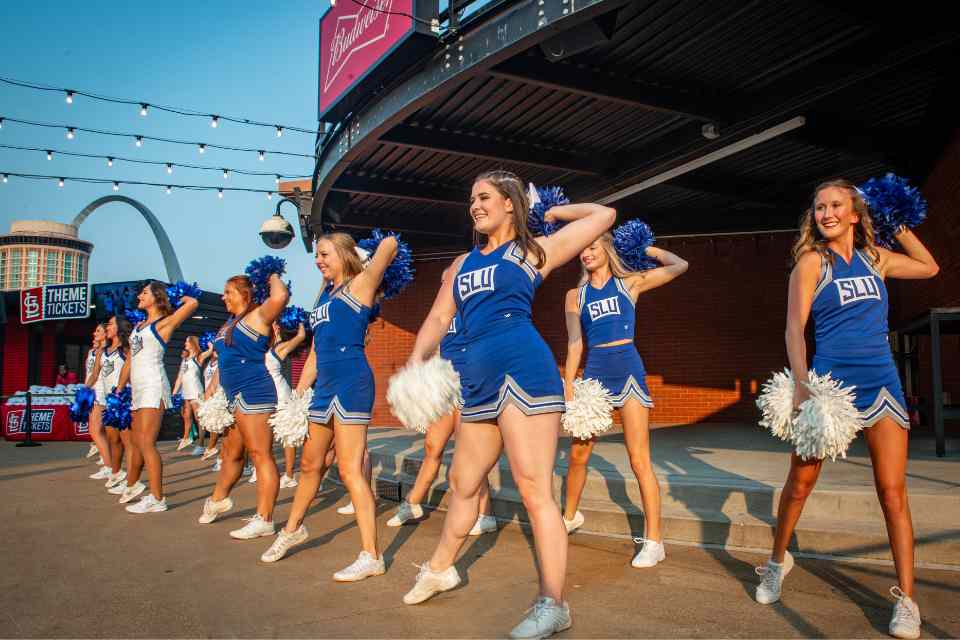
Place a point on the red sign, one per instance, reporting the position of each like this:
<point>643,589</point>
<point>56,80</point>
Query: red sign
<point>50,422</point>
<point>31,305</point>
<point>354,37</point>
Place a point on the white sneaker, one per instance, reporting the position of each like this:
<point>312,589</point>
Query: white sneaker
<point>768,591</point>
<point>117,489</point>
<point>115,478</point>
<point>430,583</point>
<point>184,443</point>
<point>348,510</point>
<point>197,451</point>
<point>286,482</point>
<point>545,618</point>
<point>649,555</point>
<point>284,542</point>
<point>576,523</point>
<point>217,465</point>
<point>92,451</point>
<point>212,509</point>
<point>256,527</point>
<point>100,461</point>
<point>253,477</point>
<point>363,567</point>
<point>148,505</point>
<point>131,492</point>
<point>208,453</point>
<point>103,472</point>
<point>905,622</point>
<point>405,513</point>
<point>484,524</point>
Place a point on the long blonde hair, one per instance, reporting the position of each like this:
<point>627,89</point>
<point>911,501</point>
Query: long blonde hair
<point>810,238</point>
<point>346,248</point>
<point>511,187</point>
<point>617,267</point>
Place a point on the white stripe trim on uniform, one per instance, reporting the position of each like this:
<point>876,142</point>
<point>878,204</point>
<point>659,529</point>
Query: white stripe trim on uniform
<point>351,302</point>
<point>870,265</point>
<point>826,276</point>
<point>248,331</point>
<point>631,389</point>
<point>238,403</point>
<point>582,296</point>
<point>885,406</point>
<point>344,416</point>
<point>622,288</point>
<point>511,391</point>
<point>515,255</point>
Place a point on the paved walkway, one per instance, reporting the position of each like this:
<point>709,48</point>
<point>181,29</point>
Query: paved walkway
<point>75,564</point>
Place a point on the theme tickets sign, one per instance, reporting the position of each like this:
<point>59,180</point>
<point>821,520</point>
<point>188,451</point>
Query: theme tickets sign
<point>55,302</point>
<point>355,37</point>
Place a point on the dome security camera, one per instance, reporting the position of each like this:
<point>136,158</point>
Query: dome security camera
<point>276,232</point>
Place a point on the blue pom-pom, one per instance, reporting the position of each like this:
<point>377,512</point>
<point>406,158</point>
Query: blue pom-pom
<point>135,316</point>
<point>400,272</point>
<point>83,399</point>
<point>176,292</point>
<point>292,317</point>
<point>631,240</point>
<point>259,272</point>
<point>207,339</point>
<point>176,401</point>
<point>549,197</point>
<point>117,412</point>
<point>892,203</point>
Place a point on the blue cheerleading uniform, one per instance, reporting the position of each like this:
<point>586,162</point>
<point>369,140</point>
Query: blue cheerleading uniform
<point>344,387</point>
<point>452,345</point>
<point>608,315</point>
<point>850,317</point>
<point>243,373</point>
<point>504,357</point>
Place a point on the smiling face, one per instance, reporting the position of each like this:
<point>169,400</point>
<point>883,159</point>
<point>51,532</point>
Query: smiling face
<point>112,329</point>
<point>834,214</point>
<point>594,257</point>
<point>233,299</point>
<point>328,260</point>
<point>99,334</point>
<point>489,209</point>
<point>146,299</point>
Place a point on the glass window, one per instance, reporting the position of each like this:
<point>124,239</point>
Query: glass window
<point>3,269</point>
<point>14,268</point>
<point>52,277</point>
<point>68,267</point>
<point>33,267</point>
<point>81,267</point>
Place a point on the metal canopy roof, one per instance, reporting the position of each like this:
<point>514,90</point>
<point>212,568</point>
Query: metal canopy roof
<point>872,88</point>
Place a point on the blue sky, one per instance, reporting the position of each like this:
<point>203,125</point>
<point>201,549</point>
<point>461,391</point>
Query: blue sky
<point>256,60</point>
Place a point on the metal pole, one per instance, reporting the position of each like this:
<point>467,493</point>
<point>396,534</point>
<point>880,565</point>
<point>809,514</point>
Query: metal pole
<point>937,383</point>
<point>28,418</point>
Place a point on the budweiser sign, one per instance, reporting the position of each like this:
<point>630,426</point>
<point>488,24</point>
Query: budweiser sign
<point>354,37</point>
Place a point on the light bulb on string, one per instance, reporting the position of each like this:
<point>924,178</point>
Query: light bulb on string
<point>143,109</point>
<point>71,133</point>
<point>169,168</point>
<point>70,95</point>
<point>1,123</point>
<point>49,155</point>
<point>139,141</point>
<point>214,121</point>
<point>169,189</point>
<point>6,177</point>
<point>109,162</point>
<point>220,193</point>
<point>269,195</point>
<point>116,186</point>
<point>261,155</point>
<point>277,180</point>
<point>202,147</point>
<point>226,173</point>
<point>60,183</point>
<point>279,131</point>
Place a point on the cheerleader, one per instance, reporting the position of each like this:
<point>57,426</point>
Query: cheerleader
<point>109,365</point>
<point>190,384</point>
<point>512,390</point>
<point>452,348</point>
<point>274,360</point>
<point>242,345</point>
<point>91,360</point>
<point>343,393</point>
<point>603,309</point>
<point>210,385</point>
<point>95,419</point>
<point>150,391</point>
<point>838,278</point>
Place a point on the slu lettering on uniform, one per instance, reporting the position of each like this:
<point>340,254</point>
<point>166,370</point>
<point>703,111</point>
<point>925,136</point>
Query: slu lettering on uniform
<point>320,314</point>
<point>475,281</point>
<point>602,308</point>
<point>856,289</point>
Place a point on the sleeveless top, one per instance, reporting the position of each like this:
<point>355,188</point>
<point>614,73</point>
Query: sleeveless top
<point>454,337</point>
<point>850,309</point>
<point>190,376</point>
<point>208,372</point>
<point>243,360</point>
<point>606,314</point>
<point>89,365</point>
<point>110,365</point>
<point>275,369</point>
<point>339,323</point>
<point>495,291</point>
<point>146,356</point>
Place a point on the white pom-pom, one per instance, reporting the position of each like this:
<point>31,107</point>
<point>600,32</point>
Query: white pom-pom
<point>213,414</point>
<point>591,410</point>
<point>421,394</point>
<point>290,421</point>
<point>776,404</point>
<point>828,421</point>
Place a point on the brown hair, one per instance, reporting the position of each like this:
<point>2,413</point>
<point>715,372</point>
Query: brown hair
<point>159,291</point>
<point>123,331</point>
<point>810,238</point>
<point>510,186</point>
<point>241,284</point>
<point>192,341</point>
